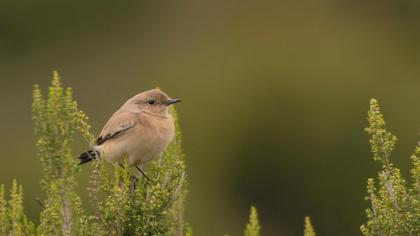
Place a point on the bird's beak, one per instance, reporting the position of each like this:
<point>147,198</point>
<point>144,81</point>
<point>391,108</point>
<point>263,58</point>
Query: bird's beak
<point>172,101</point>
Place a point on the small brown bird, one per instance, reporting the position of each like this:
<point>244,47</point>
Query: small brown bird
<point>141,129</point>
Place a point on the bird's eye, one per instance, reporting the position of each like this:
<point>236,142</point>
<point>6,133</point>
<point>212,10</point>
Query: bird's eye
<point>152,102</point>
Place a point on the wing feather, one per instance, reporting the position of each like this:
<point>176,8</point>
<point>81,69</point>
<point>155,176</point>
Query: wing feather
<point>116,126</point>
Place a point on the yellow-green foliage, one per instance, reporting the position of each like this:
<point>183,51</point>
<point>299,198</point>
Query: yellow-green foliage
<point>12,218</point>
<point>309,229</point>
<point>253,227</point>
<point>56,120</point>
<point>125,205</point>
<point>395,208</point>
<point>415,171</point>
<point>121,206</point>
<point>143,207</point>
<point>4,221</point>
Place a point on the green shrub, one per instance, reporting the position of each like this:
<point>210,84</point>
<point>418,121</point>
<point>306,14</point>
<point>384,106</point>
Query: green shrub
<point>56,120</point>
<point>12,218</point>
<point>123,206</point>
<point>394,204</point>
<point>309,229</point>
<point>253,227</point>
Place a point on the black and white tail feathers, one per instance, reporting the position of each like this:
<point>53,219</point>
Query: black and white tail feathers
<point>88,156</point>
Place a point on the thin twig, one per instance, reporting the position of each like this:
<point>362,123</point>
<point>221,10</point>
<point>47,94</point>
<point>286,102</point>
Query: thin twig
<point>41,205</point>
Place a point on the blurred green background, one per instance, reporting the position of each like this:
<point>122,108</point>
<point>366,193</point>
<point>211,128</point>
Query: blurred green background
<point>275,96</point>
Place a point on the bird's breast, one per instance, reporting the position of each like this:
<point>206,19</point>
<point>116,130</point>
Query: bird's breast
<point>155,139</point>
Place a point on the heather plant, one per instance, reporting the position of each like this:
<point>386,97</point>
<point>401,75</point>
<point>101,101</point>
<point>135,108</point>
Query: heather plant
<point>309,229</point>
<point>253,227</point>
<point>12,218</point>
<point>122,202</point>
<point>394,204</point>
<point>56,120</point>
<point>141,207</point>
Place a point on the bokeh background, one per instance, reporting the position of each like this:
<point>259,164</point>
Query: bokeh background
<point>275,95</point>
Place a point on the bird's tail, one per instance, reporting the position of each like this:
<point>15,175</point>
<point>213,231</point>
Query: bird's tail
<point>88,156</point>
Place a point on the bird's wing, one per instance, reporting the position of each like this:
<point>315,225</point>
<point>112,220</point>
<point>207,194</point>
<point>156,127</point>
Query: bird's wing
<point>116,126</point>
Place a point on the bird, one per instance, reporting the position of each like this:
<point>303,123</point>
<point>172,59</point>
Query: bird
<point>141,129</point>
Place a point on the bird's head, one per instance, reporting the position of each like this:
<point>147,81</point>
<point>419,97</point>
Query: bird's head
<point>154,102</point>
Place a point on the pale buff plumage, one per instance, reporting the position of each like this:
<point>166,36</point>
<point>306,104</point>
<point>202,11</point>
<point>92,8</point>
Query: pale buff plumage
<point>141,130</point>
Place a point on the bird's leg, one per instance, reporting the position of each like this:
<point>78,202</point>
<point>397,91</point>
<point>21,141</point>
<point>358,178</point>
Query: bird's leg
<point>133,180</point>
<point>141,171</point>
